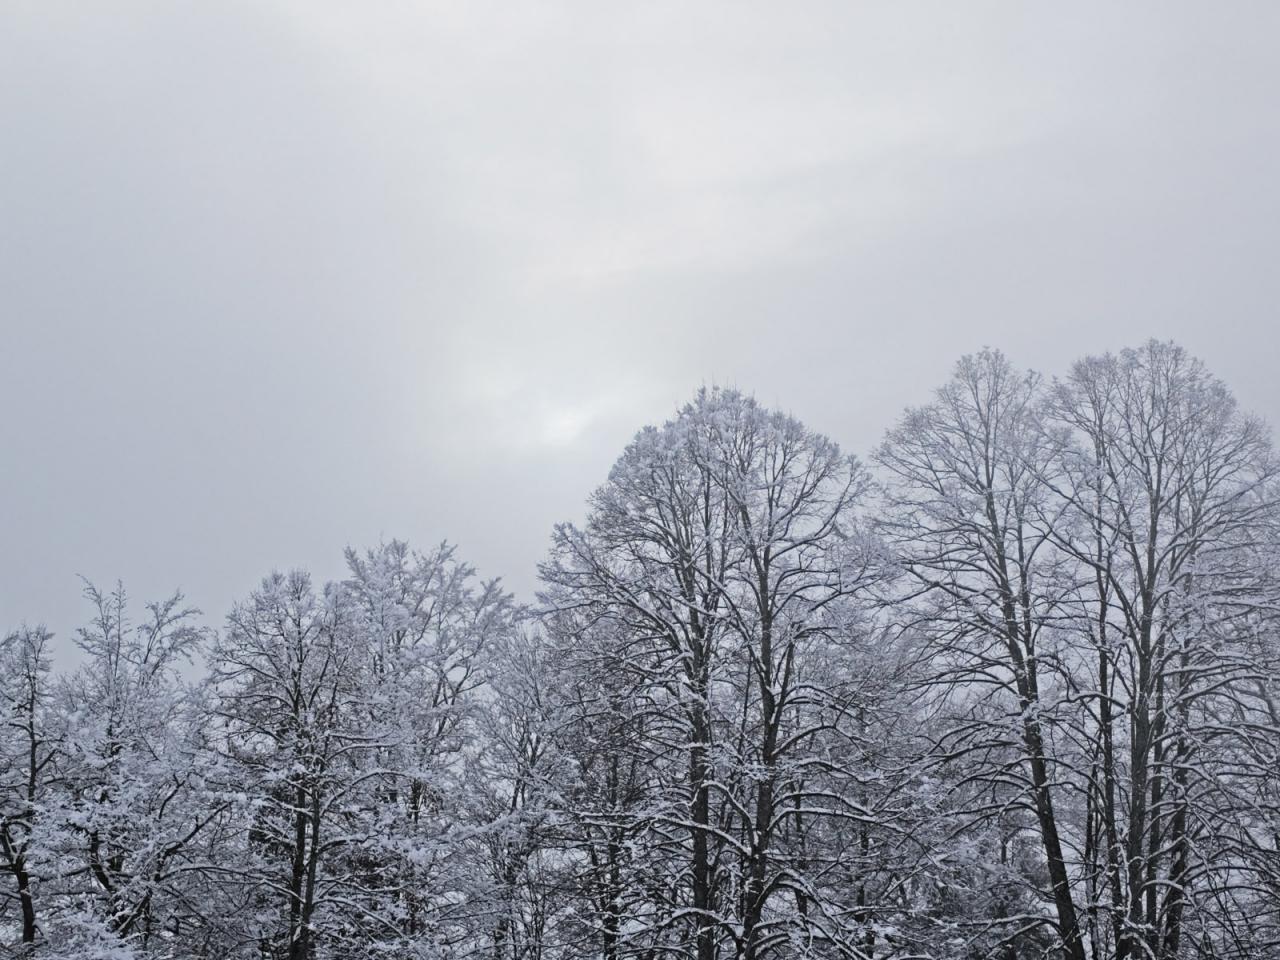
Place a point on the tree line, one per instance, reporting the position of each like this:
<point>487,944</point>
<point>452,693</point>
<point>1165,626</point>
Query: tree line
<point>1007,689</point>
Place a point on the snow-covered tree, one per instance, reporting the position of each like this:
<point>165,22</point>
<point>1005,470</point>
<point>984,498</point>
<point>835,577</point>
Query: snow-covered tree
<point>427,632</point>
<point>294,730</point>
<point>30,743</point>
<point>723,556</point>
<point>132,777</point>
<point>1165,496</point>
<point>1088,586</point>
<point>1010,693</point>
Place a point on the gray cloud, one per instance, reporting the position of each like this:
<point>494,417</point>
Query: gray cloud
<point>279,277</point>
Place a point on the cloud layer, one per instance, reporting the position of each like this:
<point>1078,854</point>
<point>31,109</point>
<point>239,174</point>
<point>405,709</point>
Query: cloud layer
<point>279,277</point>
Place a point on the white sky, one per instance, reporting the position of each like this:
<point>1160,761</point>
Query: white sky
<point>280,277</point>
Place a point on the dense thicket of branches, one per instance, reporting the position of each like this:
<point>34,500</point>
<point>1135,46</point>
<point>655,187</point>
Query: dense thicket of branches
<point>1010,690</point>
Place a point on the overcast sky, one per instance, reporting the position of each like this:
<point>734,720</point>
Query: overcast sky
<point>280,277</point>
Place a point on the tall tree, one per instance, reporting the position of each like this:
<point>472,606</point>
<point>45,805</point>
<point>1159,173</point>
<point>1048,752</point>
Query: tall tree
<point>133,797</point>
<point>288,700</point>
<point>966,510</point>
<point>1089,589</point>
<point>427,630</point>
<point>1167,491</point>
<point>721,553</point>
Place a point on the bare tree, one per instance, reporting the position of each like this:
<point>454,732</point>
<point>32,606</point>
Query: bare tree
<point>1167,491</point>
<point>132,798</point>
<point>288,690</point>
<point>29,747</point>
<point>427,630</point>
<point>722,553</point>
<point>965,511</point>
<point>1086,561</point>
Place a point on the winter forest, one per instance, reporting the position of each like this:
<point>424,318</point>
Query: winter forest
<point>1006,688</point>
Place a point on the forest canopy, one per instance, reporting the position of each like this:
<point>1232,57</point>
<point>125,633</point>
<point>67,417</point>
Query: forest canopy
<point>1006,688</point>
